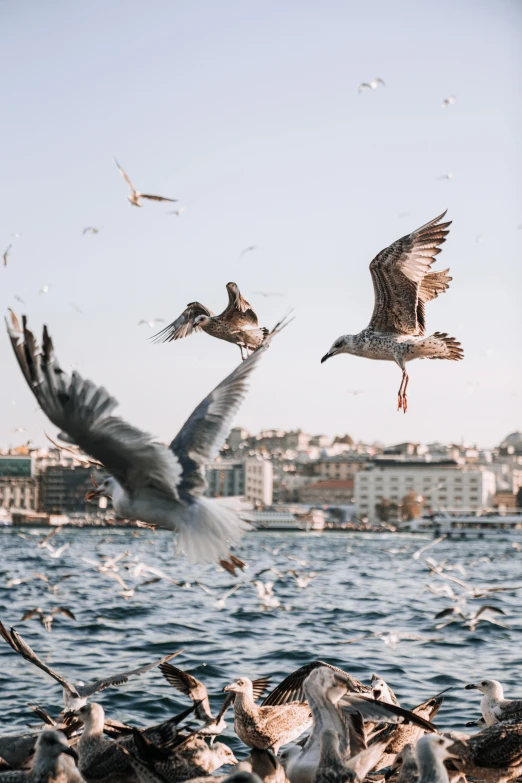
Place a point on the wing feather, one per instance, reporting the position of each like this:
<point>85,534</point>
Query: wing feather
<point>238,306</point>
<point>402,281</point>
<point>184,325</point>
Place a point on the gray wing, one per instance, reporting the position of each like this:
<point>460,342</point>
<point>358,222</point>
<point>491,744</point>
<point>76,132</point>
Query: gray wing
<point>190,686</point>
<point>238,307</point>
<point>157,198</point>
<point>291,688</point>
<point>203,434</point>
<point>15,641</point>
<point>82,412</point>
<point>119,679</point>
<point>379,712</point>
<point>184,325</point>
<point>398,272</point>
<point>497,746</point>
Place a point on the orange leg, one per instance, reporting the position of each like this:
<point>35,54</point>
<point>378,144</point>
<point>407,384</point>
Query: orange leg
<point>403,400</point>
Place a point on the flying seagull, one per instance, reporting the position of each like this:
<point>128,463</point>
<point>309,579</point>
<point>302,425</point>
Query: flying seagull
<point>448,102</point>
<point>236,324</point>
<point>147,481</point>
<point>6,253</point>
<point>248,249</point>
<point>402,284</point>
<point>135,196</point>
<point>75,696</point>
<point>91,230</point>
<point>152,323</point>
<point>373,85</point>
<point>46,618</point>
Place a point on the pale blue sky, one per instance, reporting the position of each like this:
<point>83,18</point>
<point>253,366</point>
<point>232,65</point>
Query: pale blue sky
<point>248,112</point>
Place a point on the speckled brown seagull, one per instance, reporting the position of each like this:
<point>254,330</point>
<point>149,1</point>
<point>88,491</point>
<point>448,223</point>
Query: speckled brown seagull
<point>403,283</point>
<point>135,195</point>
<point>236,324</point>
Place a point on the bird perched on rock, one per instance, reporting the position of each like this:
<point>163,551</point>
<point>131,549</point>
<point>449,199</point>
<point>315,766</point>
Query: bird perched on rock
<point>403,284</point>
<point>147,481</point>
<point>236,324</point>
<point>266,727</point>
<point>494,707</point>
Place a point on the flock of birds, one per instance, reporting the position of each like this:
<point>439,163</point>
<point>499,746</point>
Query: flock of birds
<point>319,725</point>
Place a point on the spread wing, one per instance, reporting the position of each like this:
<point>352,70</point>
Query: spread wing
<point>125,177</point>
<point>202,436</point>
<point>184,325</point>
<point>119,679</point>
<point>157,198</point>
<point>398,273</point>
<point>82,412</point>
<point>379,712</point>
<point>238,308</point>
<point>291,689</point>
<point>190,686</point>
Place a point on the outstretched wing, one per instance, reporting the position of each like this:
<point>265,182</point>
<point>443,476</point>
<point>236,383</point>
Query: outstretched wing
<point>291,689</point>
<point>157,198</point>
<point>15,641</point>
<point>82,412</point>
<point>119,679</point>
<point>184,325</point>
<point>190,686</point>
<point>238,306</point>
<point>398,272</point>
<point>125,177</point>
<point>203,434</point>
<point>379,712</point>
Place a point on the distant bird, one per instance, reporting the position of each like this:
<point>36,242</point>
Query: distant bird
<point>152,323</point>
<point>237,323</point>
<point>448,102</point>
<point>52,586</point>
<point>355,392</point>
<point>403,284</point>
<point>6,253</point>
<point>494,707</point>
<point>46,618</point>
<point>220,602</point>
<point>147,481</point>
<point>178,212</point>
<point>91,230</point>
<point>75,696</point>
<point>266,294</point>
<point>265,593</point>
<point>44,289</point>
<point>469,620</point>
<point>19,299</point>
<point>248,249</point>
<point>135,196</point>
<point>75,307</point>
<point>449,175</point>
<point>373,85</point>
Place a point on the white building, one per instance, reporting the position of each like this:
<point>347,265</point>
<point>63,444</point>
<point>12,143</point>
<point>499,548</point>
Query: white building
<point>258,481</point>
<point>445,486</point>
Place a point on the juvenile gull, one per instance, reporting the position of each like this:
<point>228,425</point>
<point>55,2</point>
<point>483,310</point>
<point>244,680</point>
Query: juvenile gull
<point>147,481</point>
<point>266,726</point>
<point>494,754</point>
<point>75,696</point>
<point>46,618</point>
<point>48,764</point>
<point>334,769</point>
<point>373,85</point>
<point>431,751</point>
<point>6,253</point>
<point>403,284</point>
<point>494,707</point>
<point>135,197</point>
<point>236,324</point>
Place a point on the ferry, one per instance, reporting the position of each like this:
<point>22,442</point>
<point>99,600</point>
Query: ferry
<point>463,526</point>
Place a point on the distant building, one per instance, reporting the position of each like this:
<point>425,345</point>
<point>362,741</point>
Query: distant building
<point>18,486</point>
<point>342,466</point>
<point>259,478</point>
<point>505,501</point>
<point>335,492</point>
<point>63,489</point>
<point>225,478</point>
<point>444,485</point>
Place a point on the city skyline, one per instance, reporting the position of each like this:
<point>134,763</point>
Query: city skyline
<point>252,118</point>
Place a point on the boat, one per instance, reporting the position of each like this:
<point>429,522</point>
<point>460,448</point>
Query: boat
<point>463,526</point>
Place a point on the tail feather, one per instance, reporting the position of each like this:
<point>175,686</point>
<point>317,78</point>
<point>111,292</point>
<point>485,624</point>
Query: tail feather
<point>207,529</point>
<point>445,347</point>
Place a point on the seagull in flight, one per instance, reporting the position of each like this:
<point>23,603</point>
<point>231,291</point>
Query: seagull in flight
<point>248,249</point>
<point>91,230</point>
<point>152,323</point>
<point>6,253</point>
<point>403,283</point>
<point>44,289</point>
<point>448,102</point>
<point>147,481</point>
<point>135,197</point>
<point>46,618</point>
<point>373,85</point>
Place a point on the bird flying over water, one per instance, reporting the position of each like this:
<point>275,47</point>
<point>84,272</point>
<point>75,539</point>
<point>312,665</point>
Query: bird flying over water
<point>147,481</point>
<point>135,195</point>
<point>373,85</point>
<point>403,284</point>
<point>236,324</point>
<point>6,253</point>
<point>46,618</point>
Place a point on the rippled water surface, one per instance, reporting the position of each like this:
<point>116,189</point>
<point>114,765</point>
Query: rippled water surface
<point>363,584</point>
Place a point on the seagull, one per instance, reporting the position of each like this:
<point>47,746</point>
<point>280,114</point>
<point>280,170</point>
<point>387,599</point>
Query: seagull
<point>248,249</point>
<point>265,593</point>
<point>46,618</point>
<point>449,175</point>
<point>75,696</point>
<point>431,751</point>
<point>19,299</point>
<point>91,230</point>
<point>48,764</point>
<point>448,102</point>
<point>44,289</point>
<point>6,252</point>
<point>52,586</point>
<point>135,196</point>
<point>220,602</point>
<point>178,212</point>
<point>147,481</point>
<point>494,754</point>
<point>151,324</point>
<point>470,620</point>
<point>333,766</point>
<point>354,392</point>
<point>494,707</point>
<point>266,294</point>
<point>416,555</point>
<point>373,85</point>
<point>403,283</point>
<point>236,324</point>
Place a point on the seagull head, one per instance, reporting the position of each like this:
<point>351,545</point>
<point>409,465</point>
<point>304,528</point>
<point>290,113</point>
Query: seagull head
<point>105,489</point>
<point>490,688</point>
<point>92,715</point>
<point>242,685</point>
<point>52,743</point>
<point>200,320</point>
<point>343,344</point>
<point>434,745</point>
<point>224,754</point>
